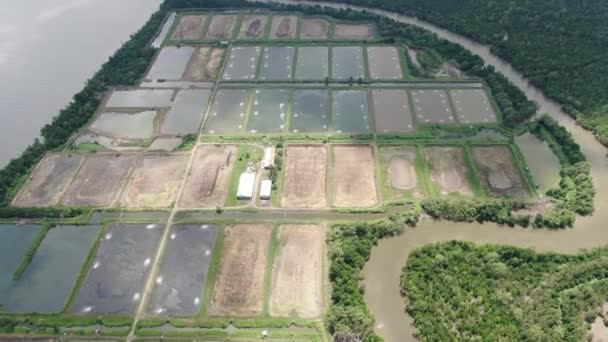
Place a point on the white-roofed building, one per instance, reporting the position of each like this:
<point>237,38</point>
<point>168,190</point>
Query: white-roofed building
<point>265,189</point>
<point>268,161</point>
<point>246,183</point>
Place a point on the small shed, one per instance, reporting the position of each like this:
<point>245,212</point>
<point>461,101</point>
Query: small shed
<point>268,161</point>
<point>265,189</point>
<point>245,189</point>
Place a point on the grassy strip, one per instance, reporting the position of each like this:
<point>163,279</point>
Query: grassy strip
<point>524,171</point>
<point>246,154</point>
<point>423,174</point>
<point>473,175</point>
<point>272,253</point>
<point>31,252</point>
<point>212,271</point>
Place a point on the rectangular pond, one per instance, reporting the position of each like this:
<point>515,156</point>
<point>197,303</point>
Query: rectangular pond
<point>350,111</point>
<point>183,270</point>
<point>284,27</point>
<point>384,63</point>
<point>310,111</point>
<point>432,106</point>
<point>391,111</point>
<point>50,276</point>
<point>187,112</point>
<point>15,241</point>
<point>347,62</point>
<point>139,125</point>
<point>140,98</point>
<point>541,160</point>
<point>312,63</point>
<point>116,279</point>
<point>269,111</point>
<point>253,26</point>
<point>242,63</point>
<point>277,63</point>
<point>472,106</point>
<point>170,63</point>
<point>227,111</point>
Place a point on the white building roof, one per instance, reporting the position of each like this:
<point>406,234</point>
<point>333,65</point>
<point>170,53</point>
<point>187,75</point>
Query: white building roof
<point>268,160</point>
<point>265,189</point>
<point>245,189</point>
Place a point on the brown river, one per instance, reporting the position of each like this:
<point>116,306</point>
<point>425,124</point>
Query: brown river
<point>384,267</point>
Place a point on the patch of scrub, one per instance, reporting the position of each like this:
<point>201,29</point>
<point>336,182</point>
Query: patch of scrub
<point>227,112</point>
<point>156,181</point>
<point>541,160</point>
<point>354,176</point>
<point>472,106</point>
<point>353,31</point>
<point>253,27</point>
<point>298,272</point>
<point>314,28</point>
<point>347,63</point>
<point>165,144</point>
<point>116,279</point>
<point>221,27</point>
<point>449,170</point>
<point>190,27</point>
<point>310,111</point>
<point>49,181</point>
<point>392,111</point>
<point>269,111</point>
<point>384,63</point>
<point>313,63</point>
<point>100,180</point>
<point>187,112</point>
<point>140,98</point>
<point>183,270</point>
<point>170,63</point>
<point>284,27</point>
<point>432,106</point>
<point>50,276</point>
<point>305,176</point>
<point>242,63</point>
<point>498,171</point>
<point>209,180</point>
<point>350,111</point>
<point>277,63</point>
<point>239,289</point>
<point>127,126</point>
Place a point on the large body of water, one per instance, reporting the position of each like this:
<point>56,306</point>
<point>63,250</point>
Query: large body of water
<point>48,49</point>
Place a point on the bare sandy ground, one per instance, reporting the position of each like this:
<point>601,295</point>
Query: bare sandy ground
<point>498,171</point>
<point>314,28</point>
<point>448,169</point>
<point>353,31</point>
<point>305,176</point>
<point>354,176</point>
<point>190,27</point>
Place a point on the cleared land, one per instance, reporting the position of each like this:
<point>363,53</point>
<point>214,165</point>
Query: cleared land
<point>472,106</point>
<point>448,169</point>
<point>391,111</point>
<point>183,270</point>
<point>384,63</point>
<point>354,177</point>
<point>190,27</point>
<point>400,166</point>
<point>314,28</point>
<point>50,180</point>
<point>353,31</point>
<point>297,278</point>
<point>205,65</point>
<point>253,27</point>
<point>432,106</point>
<point>221,27</point>
<point>239,289</point>
<point>284,27</point>
<point>209,179</point>
<point>100,180</point>
<point>305,176</point>
<point>498,172</point>
<point>156,181</point>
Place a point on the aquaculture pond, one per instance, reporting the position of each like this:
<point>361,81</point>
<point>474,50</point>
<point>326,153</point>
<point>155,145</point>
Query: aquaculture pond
<point>277,63</point>
<point>140,98</point>
<point>310,111</point>
<point>472,106</point>
<point>227,111</point>
<point>432,106</point>
<point>242,63</point>
<point>187,112</point>
<point>313,63</point>
<point>350,111</point>
<point>269,111</point>
<point>116,279</point>
<point>183,270</point>
<point>541,160</point>
<point>391,111</point>
<point>138,125</point>
<point>384,62</point>
<point>50,276</point>
<point>170,63</point>
<point>347,62</point>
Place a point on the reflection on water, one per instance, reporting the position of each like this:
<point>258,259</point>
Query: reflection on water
<point>543,163</point>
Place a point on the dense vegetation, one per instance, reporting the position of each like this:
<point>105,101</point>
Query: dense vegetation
<point>559,45</point>
<point>460,291</point>
<point>481,210</point>
<point>350,245</point>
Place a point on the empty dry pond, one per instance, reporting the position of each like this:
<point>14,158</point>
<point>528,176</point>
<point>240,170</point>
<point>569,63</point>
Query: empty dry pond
<point>400,164</point>
<point>448,169</point>
<point>284,27</point>
<point>190,27</point>
<point>298,272</point>
<point>498,172</point>
<point>209,179</point>
<point>314,28</point>
<point>354,177</point>
<point>204,65</point>
<point>239,289</point>
<point>221,27</point>
<point>305,176</point>
<point>353,31</point>
<point>253,27</point>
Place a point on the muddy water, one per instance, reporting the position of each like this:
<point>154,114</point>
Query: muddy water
<point>543,164</point>
<point>382,271</point>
